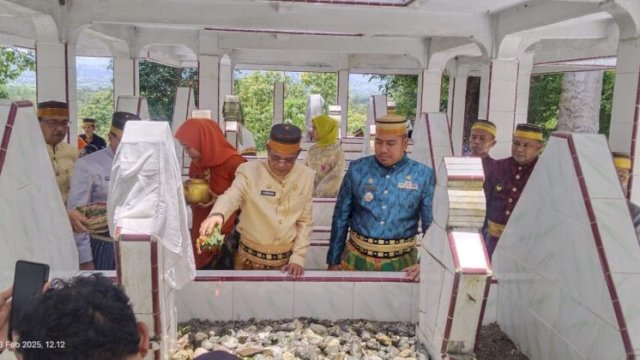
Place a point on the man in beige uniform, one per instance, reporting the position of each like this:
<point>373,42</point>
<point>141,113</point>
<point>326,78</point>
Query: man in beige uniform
<point>54,122</point>
<point>275,199</point>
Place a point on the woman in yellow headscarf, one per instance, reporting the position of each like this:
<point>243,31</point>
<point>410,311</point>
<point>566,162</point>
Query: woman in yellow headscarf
<point>326,157</point>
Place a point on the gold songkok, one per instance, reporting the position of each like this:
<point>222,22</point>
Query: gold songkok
<point>53,109</point>
<point>285,138</point>
<point>621,160</point>
<point>391,124</point>
<point>485,125</point>
<point>528,131</point>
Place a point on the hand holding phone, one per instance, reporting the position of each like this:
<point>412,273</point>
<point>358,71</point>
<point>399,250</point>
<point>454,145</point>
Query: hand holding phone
<point>29,279</point>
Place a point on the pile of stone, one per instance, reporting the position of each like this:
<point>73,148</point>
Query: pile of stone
<point>302,338</point>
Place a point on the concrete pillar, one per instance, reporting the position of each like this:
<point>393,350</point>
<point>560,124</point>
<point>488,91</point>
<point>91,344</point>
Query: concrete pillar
<point>343,99</point>
<point>483,102</point>
<point>429,83</point>
<point>525,67</point>
<point>56,77</point>
<point>125,77</point>
<point>226,84</point>
<point>502,105</point>
<point>458,104</point>
<point>623,133</point>
<point>208,77</point>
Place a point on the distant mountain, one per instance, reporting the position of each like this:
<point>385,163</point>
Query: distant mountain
<point>94,73</point>
<point>91,73</point>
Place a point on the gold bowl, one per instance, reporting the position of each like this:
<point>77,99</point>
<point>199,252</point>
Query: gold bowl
<point>196,191</point>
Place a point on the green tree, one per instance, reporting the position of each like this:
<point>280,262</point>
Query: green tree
<point>403,89</point>
<point>544,101</point>
<point>97,105</point>
<point>256,95</point>
<point>13,62</point>
<point>325,84</point>
<point>607,101</point>
<point>158,84</point>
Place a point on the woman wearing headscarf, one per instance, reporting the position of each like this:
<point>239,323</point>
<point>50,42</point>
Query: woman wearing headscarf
<point>216,161</point>
<point>326,157</point>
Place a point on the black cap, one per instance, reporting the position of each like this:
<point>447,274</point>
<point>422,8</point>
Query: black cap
<point>121,117</point>
<point>285,134</point>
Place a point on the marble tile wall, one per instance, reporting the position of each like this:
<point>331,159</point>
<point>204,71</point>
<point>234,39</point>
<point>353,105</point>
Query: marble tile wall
<point>567,282</point>
<point>237,295</point>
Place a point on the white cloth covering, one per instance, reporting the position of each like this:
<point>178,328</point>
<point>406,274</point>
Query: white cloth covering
<point>146,195</point>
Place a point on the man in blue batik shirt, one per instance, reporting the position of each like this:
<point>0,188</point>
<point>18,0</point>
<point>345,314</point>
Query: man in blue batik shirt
<point>381,201</point>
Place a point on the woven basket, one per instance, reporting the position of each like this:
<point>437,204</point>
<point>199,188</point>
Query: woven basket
<point>96,215</point>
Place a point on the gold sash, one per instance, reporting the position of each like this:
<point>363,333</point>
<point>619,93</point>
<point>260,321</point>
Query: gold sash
<point>269,255</point>
<point>495,229</point>
<point>381,248</point>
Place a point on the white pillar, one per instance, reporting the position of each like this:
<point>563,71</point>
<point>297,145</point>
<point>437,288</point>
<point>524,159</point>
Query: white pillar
<point>483,101</point>
<point>208,78</point>
<point>56,77</point>
<point>623,133</point>
<point>525,67</point>
<point>278,103</point>
<point>343,99</point>
<point>125,77</point>
<point>458,102</point>
<point>502,103</point>
<point>226,83</point>
<point>430,82</point>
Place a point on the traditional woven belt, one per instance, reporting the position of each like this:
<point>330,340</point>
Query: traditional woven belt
<point>382,248</point>
<point>495,229</point>
<point>265,256</point>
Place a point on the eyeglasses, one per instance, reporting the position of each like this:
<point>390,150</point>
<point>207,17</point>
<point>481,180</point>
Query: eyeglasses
<point>278,159</point>
<point>55,123</point>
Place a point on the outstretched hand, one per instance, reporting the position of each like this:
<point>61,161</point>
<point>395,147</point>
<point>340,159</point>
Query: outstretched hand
<point>206,228</point>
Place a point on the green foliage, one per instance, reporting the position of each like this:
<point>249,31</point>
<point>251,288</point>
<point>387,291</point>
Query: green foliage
<point>357,116</point>
<point>325,84</point>
<point>13,62</point>
<point>98,105</point>
<point>607,101</point>
<point>444,93</point>
<point>403,89</point>
<point>256,94</point>
<point>544,101</point>
<point>158,84</point>
<point>21,92</point>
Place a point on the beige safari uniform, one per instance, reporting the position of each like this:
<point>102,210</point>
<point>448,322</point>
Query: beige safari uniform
<point>276,213</point>
<point>63,157</point>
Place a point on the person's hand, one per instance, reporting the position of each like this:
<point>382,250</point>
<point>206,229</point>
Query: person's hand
<point>89,265</point>
<point>334,267</point>
<point>209,204</point>
<point>413,272</point>
<point>293,269</point>
<point>78,221</point>
<point>206,228</point>
<point>5,309</point>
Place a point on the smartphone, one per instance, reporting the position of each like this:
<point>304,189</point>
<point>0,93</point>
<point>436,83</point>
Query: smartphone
<point>28,281</point>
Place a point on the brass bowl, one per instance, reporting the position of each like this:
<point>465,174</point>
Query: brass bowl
<point>196,191</point>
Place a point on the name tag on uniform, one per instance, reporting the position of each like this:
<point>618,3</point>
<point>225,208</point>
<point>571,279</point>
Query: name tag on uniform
<point>408,184</point>
<point>267,193</point>
<point>107,178</point>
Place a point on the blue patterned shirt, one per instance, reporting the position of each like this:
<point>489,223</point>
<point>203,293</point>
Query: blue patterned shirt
<point>381,202</point>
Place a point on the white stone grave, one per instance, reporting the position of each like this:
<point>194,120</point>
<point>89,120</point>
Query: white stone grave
<point>567,264</point>
<point>135,105</point>
<point>34,225</point>
<point>431,139</point>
